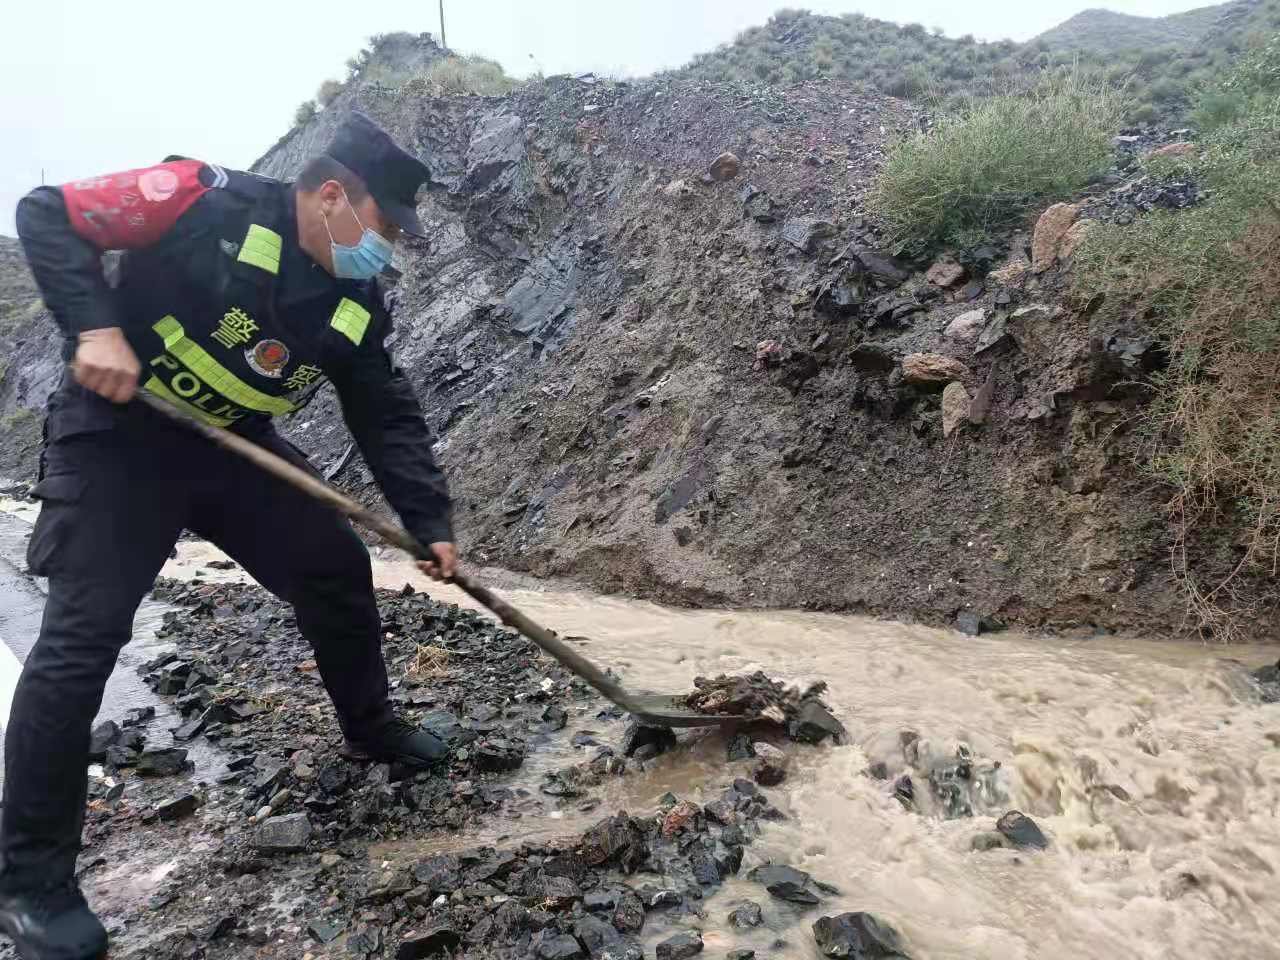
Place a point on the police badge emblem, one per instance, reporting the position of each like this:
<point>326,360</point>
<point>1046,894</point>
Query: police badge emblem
<point>268,358</point>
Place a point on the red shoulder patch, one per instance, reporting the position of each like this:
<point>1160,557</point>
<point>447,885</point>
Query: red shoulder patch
<point>122,211</point>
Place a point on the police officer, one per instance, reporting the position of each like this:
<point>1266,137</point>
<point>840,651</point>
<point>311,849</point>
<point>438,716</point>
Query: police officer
<point>236,296</point>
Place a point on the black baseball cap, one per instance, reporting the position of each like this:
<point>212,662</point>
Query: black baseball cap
<point>392,175</point>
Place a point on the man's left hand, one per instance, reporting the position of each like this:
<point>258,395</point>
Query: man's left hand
<point>445,563</point>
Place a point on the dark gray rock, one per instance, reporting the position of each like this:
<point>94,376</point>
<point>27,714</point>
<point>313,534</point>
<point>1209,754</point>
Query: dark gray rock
<point>497,145</point>
<point>858,936</point>
<point>162,763</point>
<point>288,834</point>
<point>563,947</point>
<point>498,755</point>
<point>560,892</point>
<point>539,302</point>
<point>841,297</point>
<point>994,334</point>
<point>740,955</point>
<point>757,204</point>
<point>1268,681</point>
<point>968,624</point>
<point>746,915</point>
<point>628,915</point>
<point>770,768</point>
<point>440,874</point>
<point>874,358</point>
<point>814,723</point>
<point>511,919</point>
<point>1021,831</point>
<point>178,807</point>
<point>883,267</point>
<point>786,883</point>
<point>657,897</point>
<point>138,716</point>
<point>365,940</point>
<point>121,757</point>
<point>389,887</point>
<point>721,811</point>
<point>617,840</point>
<point>439,940</point>
<point>595,934</point>
<point>323,932</point>
<point>639,735</point>
<point>270,779</point>
<point>219,928</point>
<point>704,868</point>
<point>191,729</point>
<point>680,947</point>
<point>728,859</point>
<point>104,735</point>
<point>599,901</point>
<point>904,791</point>
<point>806,233</point>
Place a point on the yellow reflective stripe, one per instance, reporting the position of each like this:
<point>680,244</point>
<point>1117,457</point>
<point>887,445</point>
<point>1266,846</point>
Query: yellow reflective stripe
<point>156,386</point>
<point>215,376</point>
<point>261,249</point>
<point>351,320</point>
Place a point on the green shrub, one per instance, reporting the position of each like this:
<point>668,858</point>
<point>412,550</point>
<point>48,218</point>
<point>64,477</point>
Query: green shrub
<point>988,166</point>
<point>304,114</point>
<point>1217,109</point>
<point>1166,90</point>
<point>1144,113</point>
<point>1209,280</point>
<point>912,82</point>
<point>465,75</point>
<point>328,92</point>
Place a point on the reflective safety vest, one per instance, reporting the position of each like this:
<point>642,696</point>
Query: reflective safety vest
<point>220,332</point>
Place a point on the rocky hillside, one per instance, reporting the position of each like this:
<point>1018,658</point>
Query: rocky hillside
<point>30,362</point>
<point>1162,62</point>
<point>1103,31</point>
<point>702,382</point>
<point>668,353</point>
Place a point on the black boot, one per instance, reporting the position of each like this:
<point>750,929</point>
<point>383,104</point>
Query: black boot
<point>52,924</point>
<point>397,742</point>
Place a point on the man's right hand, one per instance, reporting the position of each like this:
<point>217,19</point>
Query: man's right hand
<point>107,365</point>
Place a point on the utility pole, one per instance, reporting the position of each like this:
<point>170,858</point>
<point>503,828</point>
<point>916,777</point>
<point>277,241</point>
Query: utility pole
<point>443,42</point>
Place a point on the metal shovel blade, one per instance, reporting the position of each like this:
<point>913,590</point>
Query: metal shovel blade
<point>657,709</point>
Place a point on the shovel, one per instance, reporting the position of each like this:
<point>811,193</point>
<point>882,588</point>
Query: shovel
<point>651,708</point>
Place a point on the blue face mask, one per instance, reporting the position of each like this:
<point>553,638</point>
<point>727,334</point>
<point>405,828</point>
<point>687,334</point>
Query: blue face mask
<point>366,259</point>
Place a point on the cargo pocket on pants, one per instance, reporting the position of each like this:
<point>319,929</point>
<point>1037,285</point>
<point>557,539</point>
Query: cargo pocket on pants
<point>58,496</point>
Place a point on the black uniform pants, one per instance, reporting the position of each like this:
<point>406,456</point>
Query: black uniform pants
<point>115,501</point>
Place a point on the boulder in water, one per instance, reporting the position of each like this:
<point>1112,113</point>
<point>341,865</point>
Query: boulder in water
<point>1268,681</point>
<point>680,947</point>
<point>858,936</point>
<point>1021,831</point>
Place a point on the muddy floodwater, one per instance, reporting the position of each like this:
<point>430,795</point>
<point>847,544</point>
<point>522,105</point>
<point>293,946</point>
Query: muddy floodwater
<point>1150,766</point>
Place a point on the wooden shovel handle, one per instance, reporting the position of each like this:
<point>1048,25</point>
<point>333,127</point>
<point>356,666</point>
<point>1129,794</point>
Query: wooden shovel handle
<point>398,536</point>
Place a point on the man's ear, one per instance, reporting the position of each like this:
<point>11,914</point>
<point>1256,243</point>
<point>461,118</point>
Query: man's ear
<point>330,194</point>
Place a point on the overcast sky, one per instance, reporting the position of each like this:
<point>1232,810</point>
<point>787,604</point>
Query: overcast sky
<point>88,87</point>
